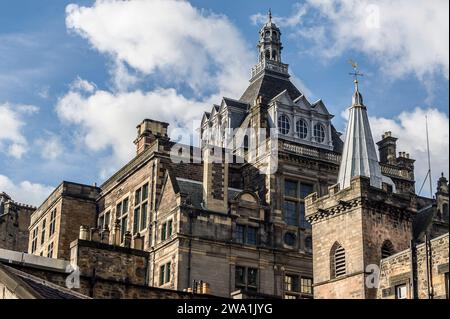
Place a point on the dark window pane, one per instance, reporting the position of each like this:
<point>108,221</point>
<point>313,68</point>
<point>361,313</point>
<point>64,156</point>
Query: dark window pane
<point>119,210</point>
<point>306,189</point>
<point>144,216</point>
<point>161,274</point>
<point>290,213</point>
<point>303,222</point>
<point>240,234</point>
<point>168,266</point>
<point>163,231</point>
<point>252,274</point>
<point>169,228</point>
<point>252,235</point>
<point>145,192</point>
<point>240,276</point>
<point>137,197</point>
<point>125,206</point>
<point>136,221</point>
<point>290,188</point>
<point>107,218</point>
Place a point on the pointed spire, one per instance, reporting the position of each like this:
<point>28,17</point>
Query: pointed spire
<point>270,15</point>
<point>359,157</point>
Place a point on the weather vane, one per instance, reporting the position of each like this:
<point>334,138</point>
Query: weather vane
<point>355,72</point>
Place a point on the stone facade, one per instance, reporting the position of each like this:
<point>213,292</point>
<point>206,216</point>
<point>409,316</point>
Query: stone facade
<point>14,221</point>
<point>55,224</point>
<point>361,219</point>
<point>422,271</point>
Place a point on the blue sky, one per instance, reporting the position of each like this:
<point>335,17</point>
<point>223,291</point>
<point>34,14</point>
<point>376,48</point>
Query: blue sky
<point>61,67</point>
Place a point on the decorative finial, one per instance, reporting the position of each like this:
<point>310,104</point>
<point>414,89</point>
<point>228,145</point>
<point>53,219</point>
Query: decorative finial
<point>270,15</point>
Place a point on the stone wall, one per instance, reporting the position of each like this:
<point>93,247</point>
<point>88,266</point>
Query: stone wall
<point>397,269</point>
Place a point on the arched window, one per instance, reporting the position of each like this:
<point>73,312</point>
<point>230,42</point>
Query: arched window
<point>267,34</point>
<point>387,249</point>
<point>274,34</point>
<point>302,128</point>
<point>274,55</point>
<point>319,133</point>
<point>283,124</point>
<point>337,264</point>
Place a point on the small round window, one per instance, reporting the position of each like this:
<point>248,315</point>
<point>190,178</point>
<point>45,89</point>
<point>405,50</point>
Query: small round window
<point>283,124</point>
<point>290,238</point>
<point>302,128</point>
<point>319,133</point>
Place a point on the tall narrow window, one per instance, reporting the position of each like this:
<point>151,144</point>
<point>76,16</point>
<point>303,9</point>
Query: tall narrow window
<point>291,283</point>
<point>338,266</point>
<point>290,213</point>
<point>164,273</point>
<point>52,222</point>
<point>140,208</point>
<point>240,229</point>
<point>319,133</point>
<point>50,251</point>
<point>169,228</point>
<point>164,232</point>
<point>122,216</point>
<point>43,231</point>
<point>387,249</point>
<point>34,240</point>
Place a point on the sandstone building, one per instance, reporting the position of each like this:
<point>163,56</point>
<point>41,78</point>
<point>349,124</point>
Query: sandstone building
<point>365,218</point>
<point>236,214</point>
<point>14,222</point>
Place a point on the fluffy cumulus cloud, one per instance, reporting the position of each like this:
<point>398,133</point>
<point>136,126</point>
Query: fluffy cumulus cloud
<point>409,127</point>
<point>12,139</point>
<point>167,41</point>
<point>168,37</point>
<point>50,146</point>
<point>25,192</point>
<point>108,120</point>
<point>404,36</point>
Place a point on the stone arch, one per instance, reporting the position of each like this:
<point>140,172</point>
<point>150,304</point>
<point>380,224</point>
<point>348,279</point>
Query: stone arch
<point>387,249</point>
<point>338,265</point>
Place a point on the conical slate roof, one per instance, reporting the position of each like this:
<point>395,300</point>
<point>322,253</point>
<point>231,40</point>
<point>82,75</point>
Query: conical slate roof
<point>359,157</point>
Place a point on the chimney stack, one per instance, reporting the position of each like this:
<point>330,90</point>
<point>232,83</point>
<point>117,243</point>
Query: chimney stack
<point>387,148</point>
<point>215,179</point>
<point>149,131</point>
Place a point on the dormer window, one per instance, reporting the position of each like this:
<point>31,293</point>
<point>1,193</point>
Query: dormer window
<point>319,133</point>
<point>302,128</point>
<point>283,124</point>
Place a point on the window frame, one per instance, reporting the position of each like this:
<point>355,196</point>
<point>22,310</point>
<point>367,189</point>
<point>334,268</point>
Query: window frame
<point>398,291</point>
<point>246,278</point>
<point>43,230</point>
<point>52,224</point>
<point>141,203</point>
<point>302,128</point>
<point>284,127</point>
<point>319,127</point>
<point>299,199</point>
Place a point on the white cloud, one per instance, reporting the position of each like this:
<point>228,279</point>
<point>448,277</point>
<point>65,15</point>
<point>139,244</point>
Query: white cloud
<point>50,146</point>
<point>12,139</point>
<point>168,37</point>
<point>403,36</point>
<point>82,85</point>
<point>25,192</point>
<point>108,120</point>
<point>409,128</point>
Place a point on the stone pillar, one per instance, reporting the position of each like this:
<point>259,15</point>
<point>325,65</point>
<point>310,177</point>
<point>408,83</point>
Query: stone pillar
<point>127,240</point>
<point>116,234</point>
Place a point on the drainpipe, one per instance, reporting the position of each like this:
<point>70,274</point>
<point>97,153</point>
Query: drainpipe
<point>414,288</point>
<point>428,260</point>
<point>191,215</point>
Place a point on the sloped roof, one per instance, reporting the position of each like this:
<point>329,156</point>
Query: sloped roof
<point>26,286</point>
<point>194,190</point>
<point>269,86</point>
<point>422,221</point>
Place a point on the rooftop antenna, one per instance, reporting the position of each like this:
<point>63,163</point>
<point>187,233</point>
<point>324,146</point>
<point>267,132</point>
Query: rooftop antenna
<point>429,162</point>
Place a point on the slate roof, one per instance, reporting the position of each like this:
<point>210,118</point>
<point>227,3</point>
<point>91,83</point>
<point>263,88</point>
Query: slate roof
<point>422,221</point>
<point>269,86</point>
<point>195,191</point>
<point>34,287</point>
